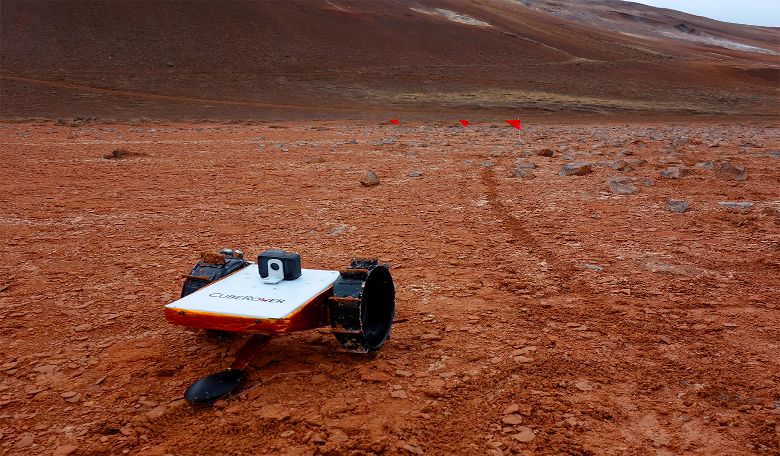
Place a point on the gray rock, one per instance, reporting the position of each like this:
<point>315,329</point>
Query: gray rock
<point>734,204</point>
<point>728,171</point>
<point>369,178</point>
<point>644,181</point>
<point>773,154</point>
<point>575,169</point>
<point>673,205</point>
<point>621,165</point>
<point>706,165</point>
<point>621,179</point>
<point>487,163</point>
<point>622,189</point>
<point>528,165</point>
<point>411,154</point>
<point>415,173</point>
<point>352,141</point>
<point>543,152</point>
<point>523,173</point>
<point>673,172</point>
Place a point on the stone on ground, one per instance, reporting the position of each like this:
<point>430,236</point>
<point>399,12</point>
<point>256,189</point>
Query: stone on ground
<point>674,205</point>
<point>728,171</point>
<point>543,152</point>
<point>522,173</point>
<point>673,172</point>
<point>622,165</point>
<point>575,169</point>
<point>622,189</point>
<point>369,178</point>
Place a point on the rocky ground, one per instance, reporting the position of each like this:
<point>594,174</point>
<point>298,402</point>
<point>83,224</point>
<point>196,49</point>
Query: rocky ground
<point>626,305</point>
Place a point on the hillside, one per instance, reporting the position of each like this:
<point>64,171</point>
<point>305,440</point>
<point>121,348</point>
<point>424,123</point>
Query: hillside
<point>318,59</point>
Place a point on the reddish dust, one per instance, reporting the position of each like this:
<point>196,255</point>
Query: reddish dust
<point>536,313</point>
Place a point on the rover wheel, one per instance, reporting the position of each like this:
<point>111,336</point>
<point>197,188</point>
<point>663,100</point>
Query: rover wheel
<point>211,268</point>
<point>363,306</point>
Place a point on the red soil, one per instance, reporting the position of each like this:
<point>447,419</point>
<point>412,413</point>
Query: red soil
<point>616,327</point>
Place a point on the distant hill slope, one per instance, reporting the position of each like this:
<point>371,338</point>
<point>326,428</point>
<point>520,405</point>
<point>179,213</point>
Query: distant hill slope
<point>319,59</point>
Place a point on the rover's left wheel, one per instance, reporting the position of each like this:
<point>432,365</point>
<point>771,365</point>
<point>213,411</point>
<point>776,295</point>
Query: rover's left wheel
<point>211,268</point>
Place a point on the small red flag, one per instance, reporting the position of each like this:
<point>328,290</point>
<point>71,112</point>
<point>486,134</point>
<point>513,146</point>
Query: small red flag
<point>464,122</point>
<point>514,123</point>
<point>395,121</point>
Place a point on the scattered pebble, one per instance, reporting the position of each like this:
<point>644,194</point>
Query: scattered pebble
<point>737,205</point>
<point>583,386</point>
<point>622,189</point>
<point>512,419</point>
<point>727,171</point>
<point>523,359</point>
<point>274,412</point>
<point>412,449</point>
<point>621,165</point>
<point>524,435</point>
<point>673,205</point>
<point>673,172</point>
<point>24,442</point>
<point>369,179</point>
<point>65,450</point>
<point>543,152</point>
<point>375,377</point>
<point>513,408</point>
<point>576,169</point>
<point>522,173</point>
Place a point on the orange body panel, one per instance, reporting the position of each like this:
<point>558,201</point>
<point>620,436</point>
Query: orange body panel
<point>312,314</point>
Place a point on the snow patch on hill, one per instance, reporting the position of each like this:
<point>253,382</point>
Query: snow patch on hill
<point>453,16</point>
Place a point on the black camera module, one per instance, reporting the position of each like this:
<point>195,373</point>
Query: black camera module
<point>289,263</point>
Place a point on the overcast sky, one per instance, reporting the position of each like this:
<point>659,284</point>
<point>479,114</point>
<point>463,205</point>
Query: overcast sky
<point>753,12</point>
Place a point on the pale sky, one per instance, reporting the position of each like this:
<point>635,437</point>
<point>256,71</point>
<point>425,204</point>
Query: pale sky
<point>752,12</point>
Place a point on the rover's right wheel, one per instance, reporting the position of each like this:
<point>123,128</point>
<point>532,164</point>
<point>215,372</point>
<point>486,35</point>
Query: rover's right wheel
<point>363,305</point>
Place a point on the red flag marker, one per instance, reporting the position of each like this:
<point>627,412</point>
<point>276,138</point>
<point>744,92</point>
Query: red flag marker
<point>464,122</point>
<point>395,121</point>
<point>514,123</point>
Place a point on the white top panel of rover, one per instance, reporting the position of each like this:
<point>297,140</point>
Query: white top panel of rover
<point>245,294</point>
